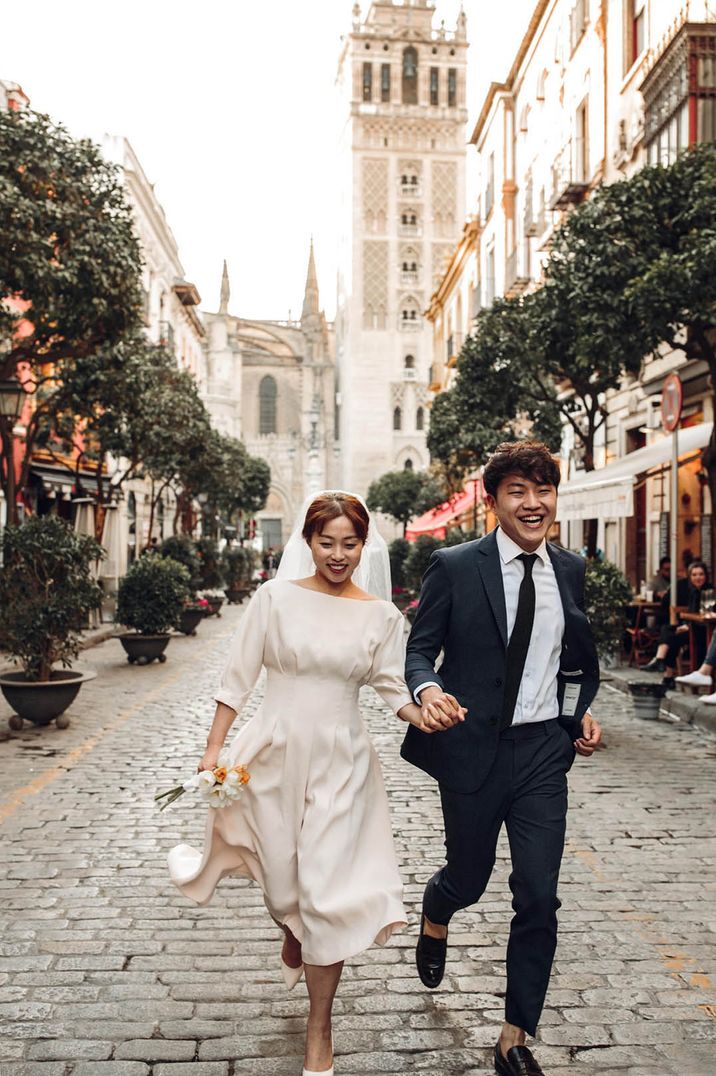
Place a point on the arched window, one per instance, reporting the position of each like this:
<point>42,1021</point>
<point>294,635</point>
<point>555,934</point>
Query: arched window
<point>420,419</point>
<point>410,76</point>
<point>409,362</point>
<point>267,405</point>
<point>397,418</point>
<point>408,465</point>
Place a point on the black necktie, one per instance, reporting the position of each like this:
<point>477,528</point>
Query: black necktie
<point>519,640</point>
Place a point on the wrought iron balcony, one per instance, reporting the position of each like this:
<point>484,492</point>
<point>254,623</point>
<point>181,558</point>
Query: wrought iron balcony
<point>569,175</point>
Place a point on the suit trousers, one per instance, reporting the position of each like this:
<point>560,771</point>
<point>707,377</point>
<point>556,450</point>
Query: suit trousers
<point>526,790</point>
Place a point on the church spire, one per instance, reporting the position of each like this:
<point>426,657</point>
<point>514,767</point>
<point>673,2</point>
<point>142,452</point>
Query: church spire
<point>310,295</point>
<point>225,291</point>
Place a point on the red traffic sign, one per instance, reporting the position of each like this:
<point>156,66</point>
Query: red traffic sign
<point>672,399</point>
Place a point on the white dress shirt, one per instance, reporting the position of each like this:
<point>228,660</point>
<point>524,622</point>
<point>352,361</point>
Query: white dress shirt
<point>537,698</point>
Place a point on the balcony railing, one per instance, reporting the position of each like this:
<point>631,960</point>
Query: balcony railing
<point>411,323</point>
<point>569,175</point>
<point>409,276</point>
<point>410,190</point>
<point>454,347</point>
<point>408,229</point>
<point>409,373</point>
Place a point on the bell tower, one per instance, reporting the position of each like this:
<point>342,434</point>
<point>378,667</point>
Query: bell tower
<point>402,86</point>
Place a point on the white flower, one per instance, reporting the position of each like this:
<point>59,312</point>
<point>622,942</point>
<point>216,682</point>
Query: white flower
<point>205,780</point>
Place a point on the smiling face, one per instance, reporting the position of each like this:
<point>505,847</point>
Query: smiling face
<point>697,577</point>
<point>525,509</point>
<point>336,551</point>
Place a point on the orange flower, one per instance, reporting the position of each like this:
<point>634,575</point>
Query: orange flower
<point>220,774</point>
<point>244,776</point>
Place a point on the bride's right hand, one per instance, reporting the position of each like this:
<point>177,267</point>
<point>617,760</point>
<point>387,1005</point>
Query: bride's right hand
<point>209,760</point>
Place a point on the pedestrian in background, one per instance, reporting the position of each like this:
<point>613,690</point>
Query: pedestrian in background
<point>674,638</point>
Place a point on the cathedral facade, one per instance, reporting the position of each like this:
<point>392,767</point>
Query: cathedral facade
<point>272,384</point>
<point>402,181</point>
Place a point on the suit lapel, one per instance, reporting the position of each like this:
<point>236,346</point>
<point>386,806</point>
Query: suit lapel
<point>560,572</point>
<point>488,563</point>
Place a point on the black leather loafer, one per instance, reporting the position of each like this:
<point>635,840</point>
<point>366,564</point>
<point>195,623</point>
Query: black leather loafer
<point>430,955</point>
<point>519,1062</point>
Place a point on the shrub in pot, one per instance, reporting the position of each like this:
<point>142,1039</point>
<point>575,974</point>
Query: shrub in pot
<point>182,548</point>
<point>606,595</point>
<point>418,558</point>
<point>211,571</point>
<point>398,551</point>
<point>150,600</point>
<point>238,563</point>
<point>46,594</point>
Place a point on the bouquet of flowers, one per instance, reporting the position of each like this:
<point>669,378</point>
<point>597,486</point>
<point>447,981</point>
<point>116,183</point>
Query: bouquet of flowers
<point>218,787</point>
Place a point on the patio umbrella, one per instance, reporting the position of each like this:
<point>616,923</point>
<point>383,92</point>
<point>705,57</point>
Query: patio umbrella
<point>84,525</point>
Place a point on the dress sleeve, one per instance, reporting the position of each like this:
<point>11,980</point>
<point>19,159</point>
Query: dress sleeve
<point>246,652</point>
<point>387,671</point>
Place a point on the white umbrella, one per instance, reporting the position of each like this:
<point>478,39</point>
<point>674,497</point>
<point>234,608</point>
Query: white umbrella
<point>84,525</point>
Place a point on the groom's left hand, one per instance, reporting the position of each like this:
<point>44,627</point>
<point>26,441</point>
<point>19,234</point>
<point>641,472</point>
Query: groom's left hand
<point>590,738</point>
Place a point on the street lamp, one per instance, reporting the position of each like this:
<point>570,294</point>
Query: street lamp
<point>12,395</point>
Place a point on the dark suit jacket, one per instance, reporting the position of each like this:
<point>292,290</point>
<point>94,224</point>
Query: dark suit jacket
<point>462,612</point>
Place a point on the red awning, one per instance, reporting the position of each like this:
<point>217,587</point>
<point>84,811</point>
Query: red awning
<point>437,520</point>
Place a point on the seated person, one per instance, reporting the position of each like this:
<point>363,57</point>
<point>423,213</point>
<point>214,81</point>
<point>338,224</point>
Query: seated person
<point>674,637</point>
<point>703,676</point>
<point>661,582</point>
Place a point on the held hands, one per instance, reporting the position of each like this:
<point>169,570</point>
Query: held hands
<point>591,736</point>
<point>438,711</point>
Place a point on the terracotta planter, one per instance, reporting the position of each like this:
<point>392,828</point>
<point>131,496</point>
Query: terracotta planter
<point>42,701</point>
<point>144,649</point>
<point>189,620</point>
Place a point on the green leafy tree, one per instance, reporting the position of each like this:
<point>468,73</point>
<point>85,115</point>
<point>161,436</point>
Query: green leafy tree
<point>46,593</point>
<point>493,398</point>
<point>69,267</point>
<point>402,495</point>
<point>398,551</point>
<point>417,560</point>
<point>634,269</point>
<point>233,480</point>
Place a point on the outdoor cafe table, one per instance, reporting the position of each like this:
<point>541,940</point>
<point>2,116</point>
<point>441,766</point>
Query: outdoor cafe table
<point>708,622</point>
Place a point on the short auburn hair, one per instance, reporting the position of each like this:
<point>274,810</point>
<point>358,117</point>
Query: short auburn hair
<point>328,506</point>
<point>529,459</point>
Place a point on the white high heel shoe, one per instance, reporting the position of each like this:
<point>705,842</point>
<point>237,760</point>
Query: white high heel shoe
<point>291,976</point>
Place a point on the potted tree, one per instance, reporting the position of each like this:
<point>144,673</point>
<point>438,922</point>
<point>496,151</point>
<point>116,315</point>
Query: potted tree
<point>238,565</point>
<point>46,594</point>
<point>182,549</point>
<point>211,575</point>
<point>150,600</point>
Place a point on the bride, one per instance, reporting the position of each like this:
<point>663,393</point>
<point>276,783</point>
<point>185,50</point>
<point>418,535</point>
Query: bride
<point>312,828</point>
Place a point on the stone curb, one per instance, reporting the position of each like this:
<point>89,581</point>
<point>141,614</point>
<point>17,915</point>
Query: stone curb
<point>676,705</point>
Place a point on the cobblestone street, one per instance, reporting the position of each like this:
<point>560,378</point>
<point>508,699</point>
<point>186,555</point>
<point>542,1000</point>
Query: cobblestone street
<point>107,970</point>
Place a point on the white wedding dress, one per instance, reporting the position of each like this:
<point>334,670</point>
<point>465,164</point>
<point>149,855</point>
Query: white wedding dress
<point>312,827</point>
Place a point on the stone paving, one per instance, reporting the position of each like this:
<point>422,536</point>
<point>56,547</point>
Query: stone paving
<point>107,971</point>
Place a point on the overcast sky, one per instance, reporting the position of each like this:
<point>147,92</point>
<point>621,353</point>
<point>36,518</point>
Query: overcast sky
<point>229,105</point>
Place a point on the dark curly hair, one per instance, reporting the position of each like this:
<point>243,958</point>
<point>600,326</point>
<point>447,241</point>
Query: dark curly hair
<point>529,459</point>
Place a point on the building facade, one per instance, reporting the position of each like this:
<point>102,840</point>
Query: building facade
<point>272,383</point>
<point>597,89</point>
<point>402,88</point>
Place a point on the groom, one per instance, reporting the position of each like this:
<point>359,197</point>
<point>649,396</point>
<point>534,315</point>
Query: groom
<point>507,612</point>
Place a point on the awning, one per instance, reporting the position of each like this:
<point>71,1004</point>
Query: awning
<point>437,520</point>
<point>608,493</point>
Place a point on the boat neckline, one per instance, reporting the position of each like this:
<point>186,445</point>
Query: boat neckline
<point>322,593</point>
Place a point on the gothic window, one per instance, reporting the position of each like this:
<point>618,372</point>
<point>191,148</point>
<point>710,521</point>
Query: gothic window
<point>408,465</point>
<point>452,87</point>
<point>410,76</point>
<point>434,86</point>
<point>409,312</point>
<point>409,362</point>
<point>385,82</point>
<point>367,82</point>
<point>420,419</point>
<point>267,405</point>
<point>397,418</point>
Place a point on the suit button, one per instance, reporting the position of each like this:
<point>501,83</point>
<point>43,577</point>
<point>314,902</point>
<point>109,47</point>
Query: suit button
<point>493,721</point>
<point>498,682</point>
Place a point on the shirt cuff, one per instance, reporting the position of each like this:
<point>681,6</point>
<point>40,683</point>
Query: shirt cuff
<point>416,693</point>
